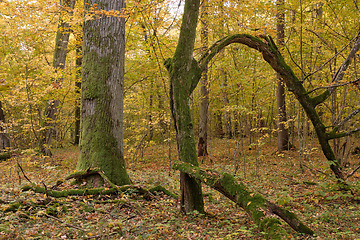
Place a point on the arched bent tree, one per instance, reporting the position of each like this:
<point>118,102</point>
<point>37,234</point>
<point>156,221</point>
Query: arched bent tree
<point>185,73</point>
<point>271,54</point>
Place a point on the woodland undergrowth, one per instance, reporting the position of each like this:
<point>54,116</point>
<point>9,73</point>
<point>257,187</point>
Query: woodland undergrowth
<point>308,189</point>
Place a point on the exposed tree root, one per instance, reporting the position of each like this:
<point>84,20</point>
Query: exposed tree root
<point>260,210</point>
<point>163,190</point>
<point>148,194</point>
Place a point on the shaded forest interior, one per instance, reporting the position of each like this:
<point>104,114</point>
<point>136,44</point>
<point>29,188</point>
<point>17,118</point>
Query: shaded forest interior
<point>256,103</point>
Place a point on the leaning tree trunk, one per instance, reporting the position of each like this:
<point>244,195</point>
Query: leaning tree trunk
<point>184,76</point>
<point>60,52</point>
<point>102,92</point>
<point>259,209</point>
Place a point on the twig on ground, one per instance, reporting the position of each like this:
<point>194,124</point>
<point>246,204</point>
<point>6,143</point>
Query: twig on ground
<point>18,164</point>
<point>353,172</point>
<point>67,224</point>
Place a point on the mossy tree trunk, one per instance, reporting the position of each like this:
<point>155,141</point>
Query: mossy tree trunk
<point>259,209</point>
<point>102,90</point>
<point>185,73</point>
<point>184,76</point>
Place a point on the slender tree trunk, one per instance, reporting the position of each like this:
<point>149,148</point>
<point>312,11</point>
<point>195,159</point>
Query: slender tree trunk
<point>78,64</point>
<point>184,76</point>
<point>219,124</point>
<point>227,117</point>
<point>60,52</point>
<point>204,102</point>
<point>102,92</point>
<point>283,134</point>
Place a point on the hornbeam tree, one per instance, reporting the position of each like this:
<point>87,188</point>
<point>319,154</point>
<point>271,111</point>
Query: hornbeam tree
<point>102,90</point>
<point>185,73</point>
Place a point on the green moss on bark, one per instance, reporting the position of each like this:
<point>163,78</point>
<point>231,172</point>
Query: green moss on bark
<point>259,209</point>
<point>102,84</point>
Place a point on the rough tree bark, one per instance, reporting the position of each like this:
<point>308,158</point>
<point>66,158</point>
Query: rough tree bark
<point>283,133</point>
<point>259,209</point>
<point>102,90</point>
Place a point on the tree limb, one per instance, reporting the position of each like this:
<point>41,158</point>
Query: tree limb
<point>259,209</point>
<point>340,72</point>
<point>342,134</point>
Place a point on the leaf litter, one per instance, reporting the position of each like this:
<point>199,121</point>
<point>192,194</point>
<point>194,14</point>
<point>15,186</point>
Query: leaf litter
<point>310,192</point>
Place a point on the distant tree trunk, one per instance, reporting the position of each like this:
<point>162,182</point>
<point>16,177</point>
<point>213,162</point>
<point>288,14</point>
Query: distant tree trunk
<point>102,92</point>
<point>204,101</point>
<point>78,63</point>
<point>60,52</point>
<point>283,133</point>
<point>224,77</point>
<point>219,124</point>
<point>4,139</point>
<point>227,117</point>
<point>184,75</point>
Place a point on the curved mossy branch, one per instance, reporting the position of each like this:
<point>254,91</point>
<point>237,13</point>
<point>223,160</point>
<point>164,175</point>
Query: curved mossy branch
<point>271,54</point>
<point>259,209</point>
<point>334,135</point>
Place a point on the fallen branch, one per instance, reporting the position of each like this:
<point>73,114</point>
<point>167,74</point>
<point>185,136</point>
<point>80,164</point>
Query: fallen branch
<point>353,172</point>
<point>147,193</point>
<point>260,210</point>
<point>70,192</point>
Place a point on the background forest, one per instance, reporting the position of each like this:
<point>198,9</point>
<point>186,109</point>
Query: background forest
<point>240,89</point>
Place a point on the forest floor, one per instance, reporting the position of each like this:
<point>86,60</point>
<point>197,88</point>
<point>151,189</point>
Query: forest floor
<point>309,191</point>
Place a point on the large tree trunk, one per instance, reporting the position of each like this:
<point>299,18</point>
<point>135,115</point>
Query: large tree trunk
<point>259,209</point>
<point>60,52</point>
<point>204,101</point>
<point>283,133</point>
<point>184,76</point>
<point>102,92</point>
